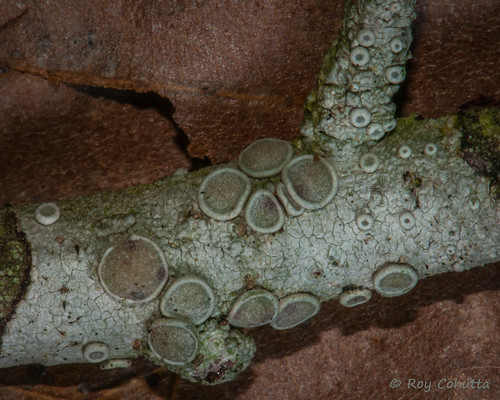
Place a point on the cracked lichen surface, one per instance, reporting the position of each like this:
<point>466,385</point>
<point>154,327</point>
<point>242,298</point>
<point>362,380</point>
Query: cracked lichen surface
<point>345,86</point>
<point>222,355</point>
<point>321,252</point>
<point>403,205</point>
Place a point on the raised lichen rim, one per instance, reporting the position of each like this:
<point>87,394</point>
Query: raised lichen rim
<point>96,352</point>
<point>292,208</point>
<point>153,291</point>
<point>360,117</point>
<point>271,164</point>
<point>365,222</point>
<point>392,279</point>
<point>395,74</point>
<point>261,314</point>
<point>369,162</point>
<point>290,313</point>
<point>366,37</point>
<point>295,187</point>
<point>263,213</point>
<point>190,340</point>
<point>47,213</point>
<point>375,131</point>
<point>237,201</point>
<point>355,297</point>
<point>188,314</point>
<point>407,220</point>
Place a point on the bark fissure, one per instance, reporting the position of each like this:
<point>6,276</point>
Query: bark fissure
<point>148,100</point>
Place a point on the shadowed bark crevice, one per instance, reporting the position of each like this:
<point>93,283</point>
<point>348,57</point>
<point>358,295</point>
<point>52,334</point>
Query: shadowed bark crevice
<point>148,100</point>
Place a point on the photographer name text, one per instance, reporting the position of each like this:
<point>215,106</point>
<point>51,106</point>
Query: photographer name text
<point>441,384</point>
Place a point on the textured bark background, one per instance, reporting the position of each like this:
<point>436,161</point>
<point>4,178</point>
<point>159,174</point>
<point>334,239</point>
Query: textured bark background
<point>199,80</point>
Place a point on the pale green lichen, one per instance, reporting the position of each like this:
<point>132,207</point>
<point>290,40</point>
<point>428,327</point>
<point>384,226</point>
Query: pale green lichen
<point>112,225</point>
<point>223,353</point>
<point>134,270</point>
<point>96,352</point>
<point>223,193</point>
<point>360,74</point>
<point>254,308</point>
<point>263,213</point>
<point>47,213</point>
<point>365,221</point>
<point>392,280</point>
<point>369,162</point>
<point>407,220</point>
<point>173,341</point>
<point>354,297</point>
<point>292,208</point>
<point>312,183</point>
<point>326,252</point>
<point>189,298</point>
<point>265,157</point>
<point>294,310</point>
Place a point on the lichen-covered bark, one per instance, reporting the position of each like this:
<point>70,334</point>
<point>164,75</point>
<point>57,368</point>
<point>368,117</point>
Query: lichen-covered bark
<point>410,200</point>
<point>360,73</point>
<point>321,252</point>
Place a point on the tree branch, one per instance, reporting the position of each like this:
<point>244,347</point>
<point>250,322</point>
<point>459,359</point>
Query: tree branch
<point>170,270</point>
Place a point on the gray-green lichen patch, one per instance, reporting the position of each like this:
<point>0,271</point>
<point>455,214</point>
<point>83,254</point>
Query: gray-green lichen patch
<point>361,72</point>
<point>113,225</point>
<point>47,213</point>
<point>292,208</point>
<point>173,341</point>
<point>395,279</point>
<point>263,213</point>
<point>378,216</point>
<point>265,157</point>
<point>320,252</point>
<point>352,297</point>
<point>481,142</point>
<point>310,181</point>
<point>134,270</point>
<point>188,298</point>
<point>254,308</point>
<point>15,262</point>
<point>222,354</point>
<point>96,352</point>
<point>294,310</point>
<point>223,193</point>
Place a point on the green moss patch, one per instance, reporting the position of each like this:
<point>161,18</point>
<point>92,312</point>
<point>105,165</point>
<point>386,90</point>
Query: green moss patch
<point>481,142</point>
<point>15,262</point>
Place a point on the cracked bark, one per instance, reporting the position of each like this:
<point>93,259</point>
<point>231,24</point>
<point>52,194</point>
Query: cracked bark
<point>449,142</point>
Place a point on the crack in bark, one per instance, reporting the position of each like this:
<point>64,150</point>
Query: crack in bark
<point>148,100</point>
